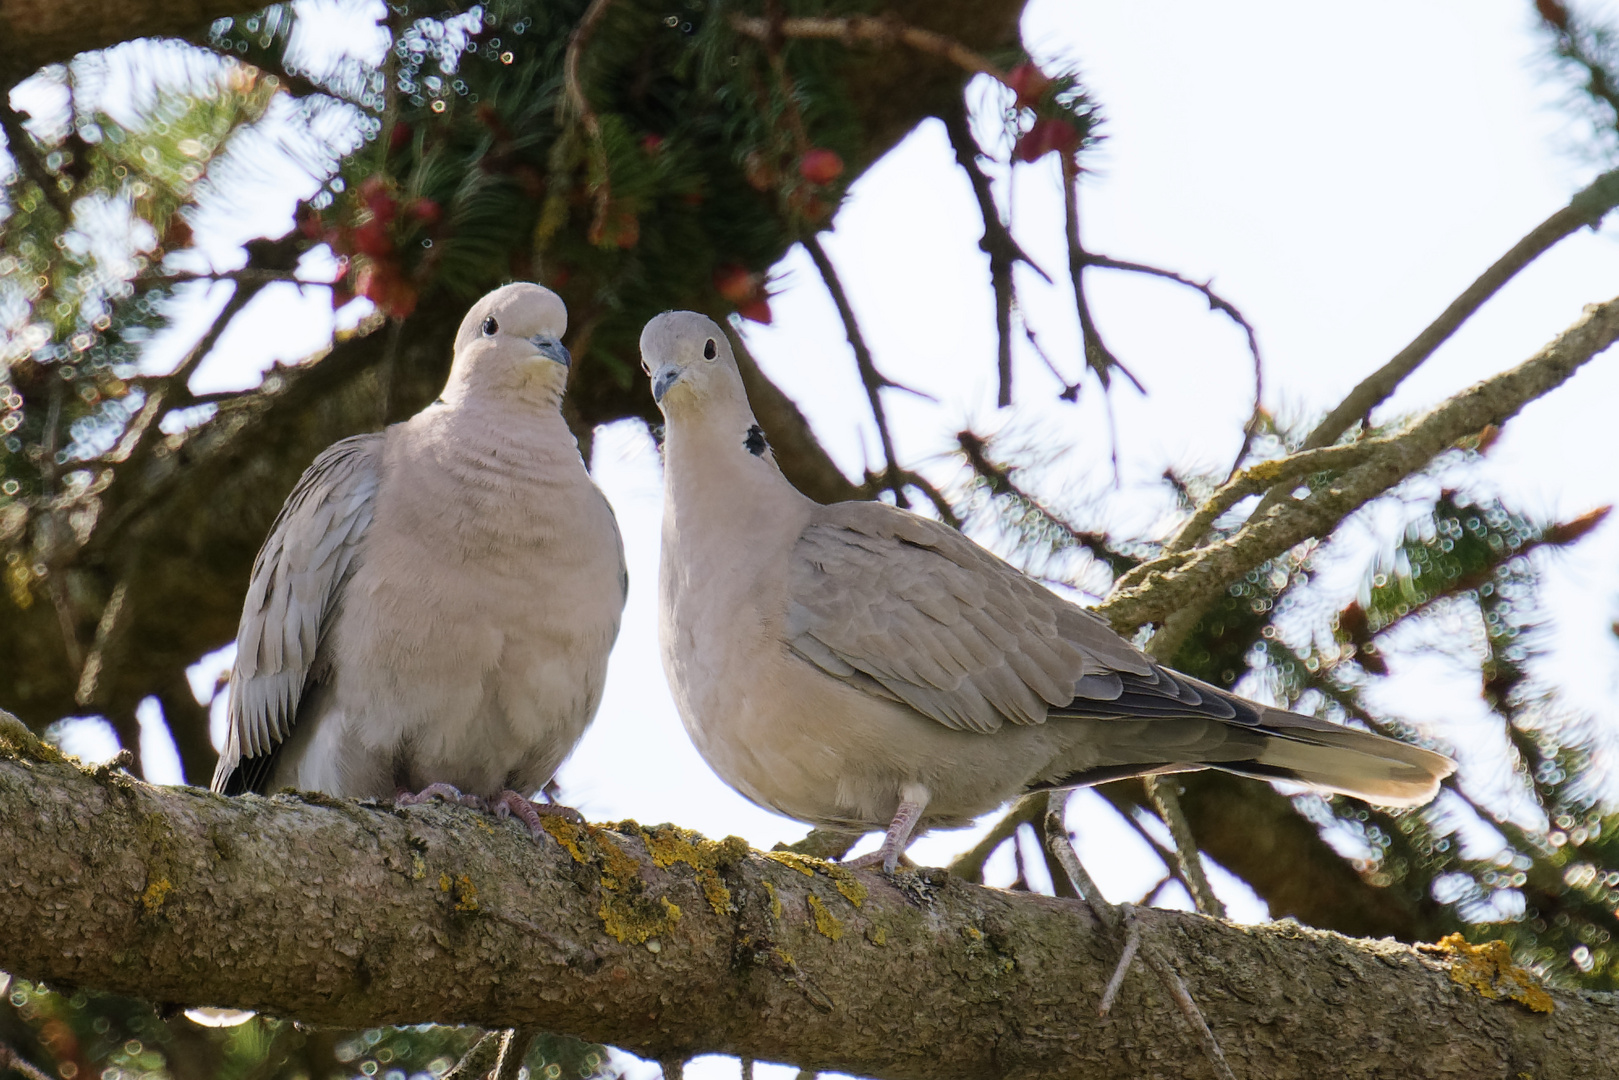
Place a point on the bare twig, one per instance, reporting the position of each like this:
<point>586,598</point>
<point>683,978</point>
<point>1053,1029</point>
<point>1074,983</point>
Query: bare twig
<point>1097,355</point>
<point>1062,847</point>
<point>29,163</point>
<point>1184,580</point>
<point>10,1059</point>
<point>997,242</point>
<point>481,1057</point>
<point>574,97</point>
<point>941,505</point>
<point>1119,923</point>
<point>870,377</point>
<point>244,294</point>
<point>866,29</point>
<point>1002,481</point>
<point>1588,207</point>
<point>1161,792</point>
<point>1216,303</point>
<point>246,275</point>
<point>514,1044</point>
<point>969,865</point>
<point>1132,942</point>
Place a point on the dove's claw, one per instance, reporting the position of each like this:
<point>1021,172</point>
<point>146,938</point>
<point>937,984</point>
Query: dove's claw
<point>510,802</point>
<point>447,792</point>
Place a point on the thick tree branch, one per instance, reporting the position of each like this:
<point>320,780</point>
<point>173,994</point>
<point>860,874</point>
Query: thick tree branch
<point>1186,580</point>
<point>670,946</point>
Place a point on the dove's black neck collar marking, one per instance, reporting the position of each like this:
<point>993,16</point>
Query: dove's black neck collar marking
<point>755,443</point>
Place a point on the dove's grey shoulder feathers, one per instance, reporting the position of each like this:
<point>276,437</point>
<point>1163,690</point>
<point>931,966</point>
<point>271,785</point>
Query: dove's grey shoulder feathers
<point>297,579</point>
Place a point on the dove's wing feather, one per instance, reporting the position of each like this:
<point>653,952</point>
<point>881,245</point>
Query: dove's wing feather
<point>912,610</point>
<point>295,589</point>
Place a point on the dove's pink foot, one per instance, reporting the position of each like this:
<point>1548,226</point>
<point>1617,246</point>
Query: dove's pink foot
<point>508,802</point>
<point>898,839</point>
<point>447,792</point>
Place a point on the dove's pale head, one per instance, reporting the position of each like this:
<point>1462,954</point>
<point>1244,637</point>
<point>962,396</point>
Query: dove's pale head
<point>689,360</point>
<point>511,343</point>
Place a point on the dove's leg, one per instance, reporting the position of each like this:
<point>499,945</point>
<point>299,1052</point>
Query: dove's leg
<point>508,802</point>
<point>913,800</point>
<point>448,792</point>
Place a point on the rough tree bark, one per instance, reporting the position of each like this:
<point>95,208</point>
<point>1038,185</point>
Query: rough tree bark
<point>670,945</point>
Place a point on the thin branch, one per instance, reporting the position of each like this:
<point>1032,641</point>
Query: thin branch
<point>1588,207</point>
<point>1119,923</point>
<point>997,242</point>
<point>1161,792</point>
<point>1097,355</point>
<point>1183,580</point>
<point>1216,303</point>
<point>870,30</point>
<point>29,163</point>
<point>246,275</point>
<point>1062,846</point>
<point>870,377</point>
<point>12,1060</point>
<point>575,98</point>
<point>1132,942</point>
<point>969,865</point>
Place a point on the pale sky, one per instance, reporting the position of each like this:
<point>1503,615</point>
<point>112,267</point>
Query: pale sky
<point>1340,171</point>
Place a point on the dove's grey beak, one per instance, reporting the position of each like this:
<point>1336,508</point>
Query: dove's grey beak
<point>662,380</point>
<point>552,349</point>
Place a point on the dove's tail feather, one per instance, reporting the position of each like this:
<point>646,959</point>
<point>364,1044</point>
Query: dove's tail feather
<point>1382,771</point>
<point>1280,746</point>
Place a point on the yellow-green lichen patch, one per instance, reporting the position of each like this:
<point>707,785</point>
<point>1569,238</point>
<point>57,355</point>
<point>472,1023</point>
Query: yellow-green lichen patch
<point>1488,971</point>
<point>461,889</point>
<point>670,844</point>
<point>155,894</point>
<point>825,923</point>
<point>804,864</point>
<point>843,878</point>
<point>625,911</point>
<point>877,935</point>
<point>17,741</point>
<point>632,918</point>
<point>775,901</point>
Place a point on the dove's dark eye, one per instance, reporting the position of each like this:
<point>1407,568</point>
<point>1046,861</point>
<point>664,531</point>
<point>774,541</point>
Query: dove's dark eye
<point>709,351</point>
<point>490,327</point>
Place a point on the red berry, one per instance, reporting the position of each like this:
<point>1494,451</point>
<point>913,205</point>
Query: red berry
<point>737,284</point>
<point>1046,135</point>
<point>1029,83</point>
<point>400,137</point>
<point>372,239</point>
<point>374,193</point>
<point>425,211</point>
<point>756,310</point>
<point>820,166</point>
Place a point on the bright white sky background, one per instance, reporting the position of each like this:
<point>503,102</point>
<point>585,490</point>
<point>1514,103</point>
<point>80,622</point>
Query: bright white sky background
<point>1341,171</point>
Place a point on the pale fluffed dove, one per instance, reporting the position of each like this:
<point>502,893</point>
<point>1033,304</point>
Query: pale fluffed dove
<point>859,667</point>
<point>434,606</point>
